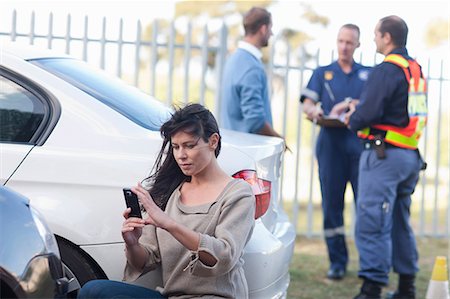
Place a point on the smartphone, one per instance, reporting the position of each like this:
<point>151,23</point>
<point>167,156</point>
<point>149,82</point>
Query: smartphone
<point>132,202</point>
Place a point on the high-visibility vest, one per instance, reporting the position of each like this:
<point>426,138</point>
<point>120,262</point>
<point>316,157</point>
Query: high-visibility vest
<point>406,137</point>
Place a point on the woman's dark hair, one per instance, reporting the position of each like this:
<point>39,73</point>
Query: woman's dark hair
<point>396,27</point>
<point>166,175</point>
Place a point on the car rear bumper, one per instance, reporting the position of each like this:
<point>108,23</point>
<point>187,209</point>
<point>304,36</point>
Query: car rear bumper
<point>273,262</point>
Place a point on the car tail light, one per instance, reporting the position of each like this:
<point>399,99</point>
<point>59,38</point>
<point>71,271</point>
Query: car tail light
<point>261,188</point>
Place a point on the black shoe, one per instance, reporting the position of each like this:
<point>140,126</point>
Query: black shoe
<point>406,288</point>
<point>369,290</point>
<point>336,273</point>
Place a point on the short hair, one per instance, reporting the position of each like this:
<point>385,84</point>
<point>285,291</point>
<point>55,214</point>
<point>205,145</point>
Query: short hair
<point>352,27</point>
<point>255,18</point>
<point>396,27</point>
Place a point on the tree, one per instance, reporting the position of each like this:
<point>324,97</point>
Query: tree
<point>437,32</point>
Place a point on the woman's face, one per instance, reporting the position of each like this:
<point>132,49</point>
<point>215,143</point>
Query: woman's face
<point>192,153</point>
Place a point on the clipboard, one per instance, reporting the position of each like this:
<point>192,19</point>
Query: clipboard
<point>331,122</point>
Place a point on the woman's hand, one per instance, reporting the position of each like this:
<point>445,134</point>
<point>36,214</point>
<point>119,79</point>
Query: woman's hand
<point>156,216</point>
<point>131,228</point>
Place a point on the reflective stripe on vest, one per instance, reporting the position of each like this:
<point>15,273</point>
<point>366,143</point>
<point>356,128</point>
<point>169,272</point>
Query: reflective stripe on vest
<point>409,136</point>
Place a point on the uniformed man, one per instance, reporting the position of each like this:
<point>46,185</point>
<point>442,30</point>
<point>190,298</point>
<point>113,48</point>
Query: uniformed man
<point>337,149</point>
<point>390,117</point>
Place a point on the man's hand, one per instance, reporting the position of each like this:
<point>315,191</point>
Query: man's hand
<point>313,112</point>
<point>351,109</point>
<point>339,108</point>
<point>343,107</point>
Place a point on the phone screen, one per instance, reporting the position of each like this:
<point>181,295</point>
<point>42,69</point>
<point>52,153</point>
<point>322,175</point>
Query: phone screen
<point>132,202</point>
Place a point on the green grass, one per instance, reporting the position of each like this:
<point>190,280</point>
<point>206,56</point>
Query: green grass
<point>310,264</point>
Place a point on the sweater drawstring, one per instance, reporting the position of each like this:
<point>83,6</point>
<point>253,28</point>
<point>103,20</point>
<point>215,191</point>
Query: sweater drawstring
<point>194,259</point>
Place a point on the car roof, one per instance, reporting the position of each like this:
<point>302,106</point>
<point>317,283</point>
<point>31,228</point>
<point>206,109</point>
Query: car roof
<point>28,52</point>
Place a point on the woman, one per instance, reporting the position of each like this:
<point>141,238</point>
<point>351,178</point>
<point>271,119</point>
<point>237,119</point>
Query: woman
<point>196,223</point>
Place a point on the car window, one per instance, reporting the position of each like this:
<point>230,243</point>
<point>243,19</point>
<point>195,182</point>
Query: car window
<point>21,112</point>
<point>125,99</point>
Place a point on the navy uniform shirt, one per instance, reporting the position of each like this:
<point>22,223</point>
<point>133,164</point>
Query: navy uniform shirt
<point>330,85</point>
<point>384,99</point>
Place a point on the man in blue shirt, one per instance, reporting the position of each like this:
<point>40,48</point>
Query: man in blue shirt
<point>245,104</point>
<point>337,149</point>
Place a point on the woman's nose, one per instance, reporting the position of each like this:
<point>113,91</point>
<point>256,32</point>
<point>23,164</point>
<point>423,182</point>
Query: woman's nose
<point>181,154</point>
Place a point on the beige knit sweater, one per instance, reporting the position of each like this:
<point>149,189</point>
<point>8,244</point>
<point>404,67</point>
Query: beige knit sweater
<point>225,226</point>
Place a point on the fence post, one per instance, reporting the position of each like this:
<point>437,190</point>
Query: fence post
<point>298,141</point>
<point>172,36</point>
<point>14,26</point>
<point>119,49</point>
<point>187,59</point>
<point>154,57</point>
<point>137,47</point>
<point>50,31</point>
<point>68,34</point>
<point>32,22</point>
<point>424,177</point>
<point>222,51</point>
<point>204,64</point>
<point>103,44</point>
<point>438,154</point>
<point>85,37</point>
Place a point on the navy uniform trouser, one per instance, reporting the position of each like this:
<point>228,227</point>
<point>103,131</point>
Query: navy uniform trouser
<point>383,235</point>
<point>338,151</point>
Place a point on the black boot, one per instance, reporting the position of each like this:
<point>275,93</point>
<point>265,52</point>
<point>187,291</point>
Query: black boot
<point>406,288</point>
<point>369,290</point>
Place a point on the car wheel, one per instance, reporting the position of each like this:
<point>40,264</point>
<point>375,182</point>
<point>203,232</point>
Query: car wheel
<point>78,267</point>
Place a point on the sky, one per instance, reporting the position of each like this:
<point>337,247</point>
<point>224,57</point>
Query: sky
<point>286,13</point>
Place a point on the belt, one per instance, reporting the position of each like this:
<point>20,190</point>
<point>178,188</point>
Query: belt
<point>379,148</point>
<point>370,144</point>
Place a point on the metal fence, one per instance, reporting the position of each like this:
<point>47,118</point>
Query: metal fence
<point>185,62</point>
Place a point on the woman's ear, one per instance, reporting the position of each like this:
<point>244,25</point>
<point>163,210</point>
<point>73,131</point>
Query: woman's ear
<point>214,141</point>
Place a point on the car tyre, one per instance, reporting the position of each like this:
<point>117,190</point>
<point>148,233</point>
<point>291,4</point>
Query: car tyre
<point>78,267</point>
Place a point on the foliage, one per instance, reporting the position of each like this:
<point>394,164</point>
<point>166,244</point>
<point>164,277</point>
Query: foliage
<point>193,8</point>
<point>437,32</point>
<point>198,14</point>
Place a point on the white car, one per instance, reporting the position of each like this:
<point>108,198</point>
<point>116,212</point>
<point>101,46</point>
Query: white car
<point>72,137</point>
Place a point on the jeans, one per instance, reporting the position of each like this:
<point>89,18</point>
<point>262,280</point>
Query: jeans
<point>116,289</point>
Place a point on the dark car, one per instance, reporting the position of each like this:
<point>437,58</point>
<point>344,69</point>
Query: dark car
<point>30,264</point>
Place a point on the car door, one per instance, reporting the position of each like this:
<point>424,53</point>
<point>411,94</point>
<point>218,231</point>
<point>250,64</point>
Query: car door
<point>25,116</point>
